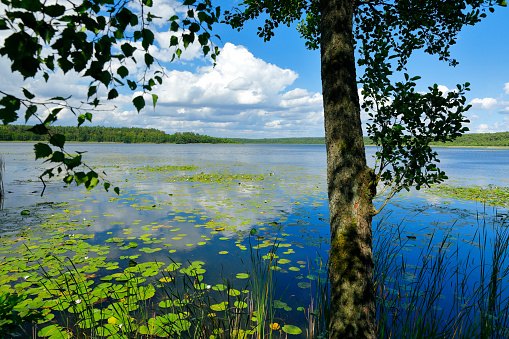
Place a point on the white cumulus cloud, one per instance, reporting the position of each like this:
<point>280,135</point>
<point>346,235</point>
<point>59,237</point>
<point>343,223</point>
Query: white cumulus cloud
<point>484,103</point>
<point>242,96</point>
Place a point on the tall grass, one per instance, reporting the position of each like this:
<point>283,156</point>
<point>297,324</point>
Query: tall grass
<point>444,293</point>
<point>262,288</point>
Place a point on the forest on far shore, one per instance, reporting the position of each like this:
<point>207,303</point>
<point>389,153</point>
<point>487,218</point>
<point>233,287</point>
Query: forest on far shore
<point>109,134</point>
<point>152,135</point>
<point>471,140</point>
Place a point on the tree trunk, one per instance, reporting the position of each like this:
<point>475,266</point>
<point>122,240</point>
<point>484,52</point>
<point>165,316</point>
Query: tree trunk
<point>350,181</point>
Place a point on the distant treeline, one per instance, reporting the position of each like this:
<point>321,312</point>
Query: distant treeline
<point>305,141</point>
<point>109,134</point>
<point>480,139</point>
<point>294,141</point>
<point>472,139</point>
<point>144,135</point>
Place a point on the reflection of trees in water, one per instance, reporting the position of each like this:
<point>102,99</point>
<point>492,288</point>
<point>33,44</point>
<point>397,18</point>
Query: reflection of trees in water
<point>2,167</point>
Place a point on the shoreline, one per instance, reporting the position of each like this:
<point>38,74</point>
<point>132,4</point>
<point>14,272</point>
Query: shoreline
<point>227,143</point>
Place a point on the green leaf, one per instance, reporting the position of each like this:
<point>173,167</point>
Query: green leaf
<point>27,94</point>
<point>80,177</point>
<point>132,85</point>
<point>149,59</point>
<point>154,99</point>
<point>194,27</point>
<point>123,71</point>
<point>83,117</point>
<point>139,103</point>
<point>91,91</point>
<point>188,39</point>
<point>105,78</point>
<point>73,162</point>
<point>54,10</point>
<point>42,150</point>
<point>174,26</point>
<point>148,38</point>
<point>11,104</point>
<point>51,331</point>
<point>31,110</point>
<point>92,183</point>
<point>39,129</point>
<point>127,49</point>
<point>57,157</point>
<point>57,140</point>
<point>291,329</point>
<point>112,94</point>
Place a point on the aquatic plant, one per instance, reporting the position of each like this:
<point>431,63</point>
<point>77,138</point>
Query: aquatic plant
<point>489,195</point>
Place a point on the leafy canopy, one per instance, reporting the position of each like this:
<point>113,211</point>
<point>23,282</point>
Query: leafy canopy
<point>94,39</point>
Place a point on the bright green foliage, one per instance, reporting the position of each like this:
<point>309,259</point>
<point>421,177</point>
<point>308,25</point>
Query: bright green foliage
<point>94,39</point>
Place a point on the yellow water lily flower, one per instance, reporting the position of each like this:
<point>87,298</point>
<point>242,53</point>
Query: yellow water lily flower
<point>274,326</point>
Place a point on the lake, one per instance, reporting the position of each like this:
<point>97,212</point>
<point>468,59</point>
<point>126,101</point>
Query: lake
<point>209,207</point>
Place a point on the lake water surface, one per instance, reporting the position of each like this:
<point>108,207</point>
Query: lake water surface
<point>228,199</point>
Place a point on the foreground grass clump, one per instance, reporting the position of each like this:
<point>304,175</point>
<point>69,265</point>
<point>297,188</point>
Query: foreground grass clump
<point>445,291</point>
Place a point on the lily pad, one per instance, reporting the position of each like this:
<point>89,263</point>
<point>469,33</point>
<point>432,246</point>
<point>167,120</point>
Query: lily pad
<point>291,329</point>
<point>304,285</point>
<point>242,276</point>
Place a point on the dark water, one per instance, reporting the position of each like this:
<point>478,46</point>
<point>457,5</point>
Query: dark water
<point>212,221</point>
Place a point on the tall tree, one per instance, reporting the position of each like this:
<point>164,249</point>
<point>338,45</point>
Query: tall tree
<point>403,122</point>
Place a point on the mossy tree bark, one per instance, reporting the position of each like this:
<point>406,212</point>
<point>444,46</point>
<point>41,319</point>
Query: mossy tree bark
<point>350,181</point>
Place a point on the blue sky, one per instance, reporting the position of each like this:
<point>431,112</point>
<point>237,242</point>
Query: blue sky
<point>273,89</point>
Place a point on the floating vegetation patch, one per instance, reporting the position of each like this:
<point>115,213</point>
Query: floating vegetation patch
<point>219,177</point>
<point>490,195</point>
<point>170,168</point>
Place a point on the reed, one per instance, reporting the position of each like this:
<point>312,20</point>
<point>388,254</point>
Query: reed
<point>444,294</point>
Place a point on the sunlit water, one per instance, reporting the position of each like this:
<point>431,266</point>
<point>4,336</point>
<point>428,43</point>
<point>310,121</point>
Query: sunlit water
<point>282,196</point>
